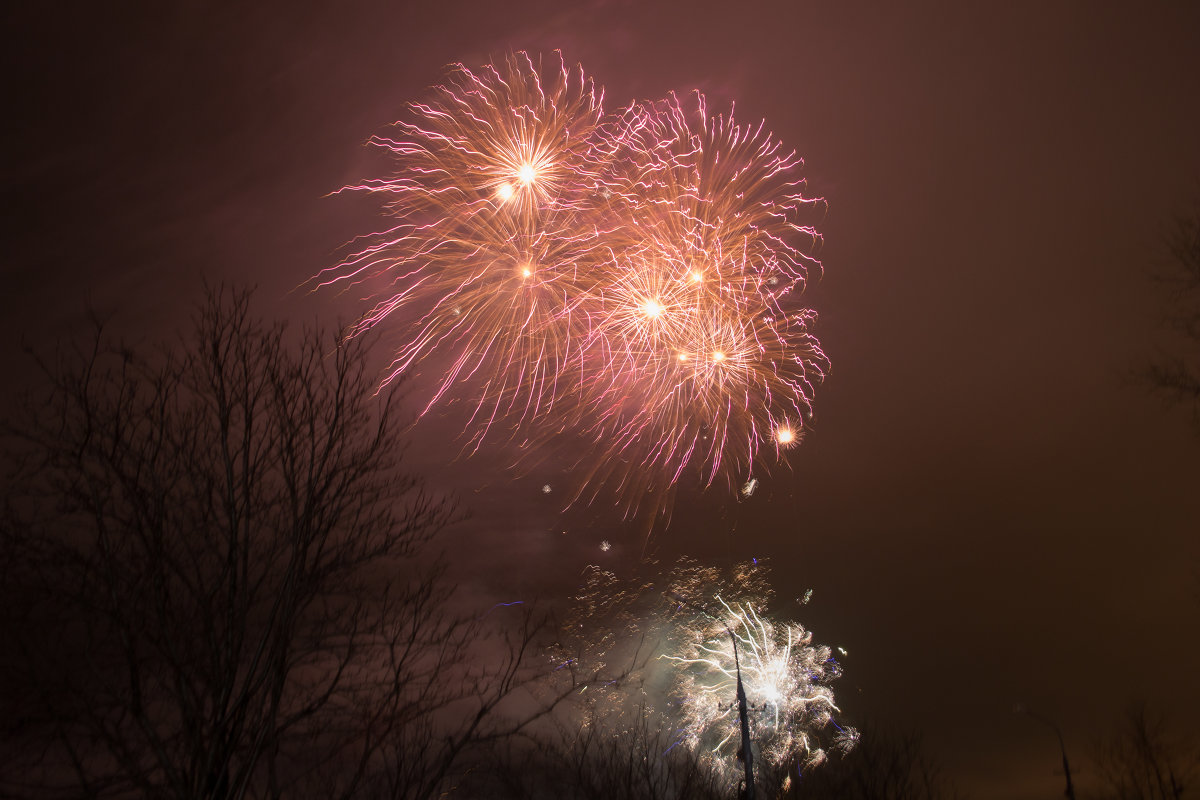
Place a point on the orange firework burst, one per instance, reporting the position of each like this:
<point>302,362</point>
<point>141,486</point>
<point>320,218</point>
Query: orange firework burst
<point>484,265</point>
<point>630,279</point>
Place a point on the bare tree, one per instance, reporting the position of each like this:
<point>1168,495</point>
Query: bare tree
<point>882,766</point>
<point>619,755</point>
<point>223,585</point>
<point>1176,374</point>
<point>1141,760</point>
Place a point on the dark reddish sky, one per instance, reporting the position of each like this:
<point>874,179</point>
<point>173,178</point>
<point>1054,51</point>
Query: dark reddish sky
<point>988,509</point>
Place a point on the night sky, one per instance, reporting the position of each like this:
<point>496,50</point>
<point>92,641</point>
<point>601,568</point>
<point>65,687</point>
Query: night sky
<point>989,508</point>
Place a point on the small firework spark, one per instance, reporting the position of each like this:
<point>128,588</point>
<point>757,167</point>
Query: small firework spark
<point>630,279</point>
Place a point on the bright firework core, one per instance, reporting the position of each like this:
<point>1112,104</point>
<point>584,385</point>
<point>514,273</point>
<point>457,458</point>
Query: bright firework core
<point>527,174</point>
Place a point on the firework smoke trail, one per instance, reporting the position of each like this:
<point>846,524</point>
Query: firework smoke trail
<point>631,279</point>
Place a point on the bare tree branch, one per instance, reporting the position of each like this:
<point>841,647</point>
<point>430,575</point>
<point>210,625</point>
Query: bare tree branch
<point>225,581</point>
<point>1176,372</point>
<point>1142,760</point>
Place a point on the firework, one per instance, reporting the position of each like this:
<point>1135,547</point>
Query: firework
<point>629,280</point>
<point>785,676</point>
<point>689,680</point>
<point>483,267</point>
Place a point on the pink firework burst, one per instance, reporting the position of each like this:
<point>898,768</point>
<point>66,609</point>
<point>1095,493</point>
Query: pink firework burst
<point>630,280</point>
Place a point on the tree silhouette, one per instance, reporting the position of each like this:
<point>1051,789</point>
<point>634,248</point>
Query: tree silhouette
<point>882,766</point>
<point>1141,760</point>
<point>222,583</point>
<point>1176,373</point>
<point>598,756</point>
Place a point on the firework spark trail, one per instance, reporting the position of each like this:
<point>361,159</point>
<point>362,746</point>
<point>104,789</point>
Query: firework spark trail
<point>632,279</point>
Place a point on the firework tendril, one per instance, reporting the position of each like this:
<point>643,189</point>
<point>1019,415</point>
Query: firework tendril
<point>629,279</point>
